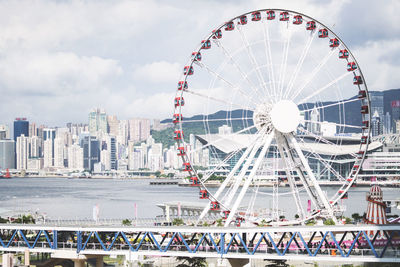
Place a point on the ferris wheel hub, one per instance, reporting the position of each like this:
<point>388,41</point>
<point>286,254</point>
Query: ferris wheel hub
<point>285,116</point>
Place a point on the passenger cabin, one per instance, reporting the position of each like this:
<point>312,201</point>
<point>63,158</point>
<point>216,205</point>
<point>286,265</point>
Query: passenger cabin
<point>323,33</point>
<point>238,221</point>
<point>351,66</point>
<point>178,135</point>
<point>229,26</point>
<point>182,85</point>
<point>203,194</point>
<point>187,167</point>
<point>194,181</point>
<point>284,16</point>
<point>217,34</point>
<point>334,42</point>
<point>181,151</point>
<point>310,26</point>
<point>214,205</point>
<point>345,196</point>
<point>206,44</point>
<point>357,80</point>
<point>270,15</point>
<point>196,56</point>
<point>362,94</point>
<point>226,214</point>
<point>176,118</point>
<point>188,70</point>
<point>179,101</point>
<point>243,20</point>
<point>297,20</point>
<point>256,16</point>
<point>364,109</point>
<point>343,53</point>
<point>364,140</point>
<point>365,125</point>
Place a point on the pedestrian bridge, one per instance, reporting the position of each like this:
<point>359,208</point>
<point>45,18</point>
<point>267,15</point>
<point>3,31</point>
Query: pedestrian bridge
<point>353,243</point>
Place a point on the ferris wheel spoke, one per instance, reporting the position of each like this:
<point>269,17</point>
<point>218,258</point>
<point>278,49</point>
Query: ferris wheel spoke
<point>282,72</point>
<point>336,124</point>
<point>323,161</point>
<point>268,55</point>
<point>331,105</point>
<point>299,64</point>
<point>254,62</point>
<point>322,139</point>
<point>319,91</point>
<point>211,120</point>
<point>223,138</point>
<point>236,65</point>
<point>232,173</point>
<point>321,196</point>
<point>249,179</point>
<point>218,100</point>
<point>313,73</point>
<point>219,77</point>
<point>289,166</point>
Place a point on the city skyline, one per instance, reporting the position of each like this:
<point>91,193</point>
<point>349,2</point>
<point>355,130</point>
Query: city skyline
<point>58,64</point>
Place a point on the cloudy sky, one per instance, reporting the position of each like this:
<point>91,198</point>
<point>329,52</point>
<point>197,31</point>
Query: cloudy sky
<point>59,59</point>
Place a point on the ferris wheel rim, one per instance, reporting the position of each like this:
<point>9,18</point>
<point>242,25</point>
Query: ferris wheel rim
<point>347,186</point>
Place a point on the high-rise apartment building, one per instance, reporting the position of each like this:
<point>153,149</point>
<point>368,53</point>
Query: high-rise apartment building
<point>32,129</point>
<point>34,149</point>
<point>7,154</point>
<point>75,157</point>
<point>97,121</point>
<point>21,126</point>
<point>139,129</point>
<point>22,152</point>
<point>59,152</point>
<point>113,125</point>
<point>48,153</point>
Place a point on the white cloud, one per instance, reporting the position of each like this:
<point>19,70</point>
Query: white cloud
<point>158,72</point>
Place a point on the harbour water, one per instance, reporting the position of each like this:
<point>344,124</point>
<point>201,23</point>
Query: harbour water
<point>62,198</point>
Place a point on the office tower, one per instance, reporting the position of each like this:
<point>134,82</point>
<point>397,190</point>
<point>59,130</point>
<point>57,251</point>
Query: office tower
<point>91,151</point>
<point>22,151</point>
<point>4,132</point>
<point>108,154</point>
<point>139,129</point>
<point>21,126</point>
<point>314,125</point>
<point>378,106</point>
<point>123,132</point>
<point>32,129</point>
<point>75,157</point>
<point>387,123</point>
<point>7,154</point>
<point>97,121</point>
<point>395,114</point>
<point>376,124</point>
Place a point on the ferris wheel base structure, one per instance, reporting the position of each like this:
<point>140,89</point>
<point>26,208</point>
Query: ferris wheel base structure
<point>354,243</point>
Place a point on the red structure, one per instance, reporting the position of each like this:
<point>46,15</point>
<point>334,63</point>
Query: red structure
<point>229,26</point>
<point>376,209</point>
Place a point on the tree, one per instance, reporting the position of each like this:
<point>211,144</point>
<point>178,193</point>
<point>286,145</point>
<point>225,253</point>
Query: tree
<point>329,222</point>
<point>157,173</point>
<point>126,222</point>
<point>191,262</point>
<point>219,222</point>
<point>356,217</point>
<point>178,221</point>
<point>296,216</point>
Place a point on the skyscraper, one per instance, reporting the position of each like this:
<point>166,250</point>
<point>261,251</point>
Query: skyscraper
<point>395,114</point>
<point>139,129</point>
<point>376,124</point>
<point>378,106</point>
<point>7,154</point>
<point>91,151</point>
<point>97,121</point>
<point>21,126</point>
<point>22,151</point>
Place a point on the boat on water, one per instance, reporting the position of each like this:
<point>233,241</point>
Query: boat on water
<point>6,175</point>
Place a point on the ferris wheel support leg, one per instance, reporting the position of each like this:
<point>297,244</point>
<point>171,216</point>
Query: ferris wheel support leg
<point>287,161</point>
<point>229,178</point>
<point>250,178</point>
<point>321,195</point>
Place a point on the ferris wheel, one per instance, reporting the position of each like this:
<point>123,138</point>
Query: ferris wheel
<point>277,92</point>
